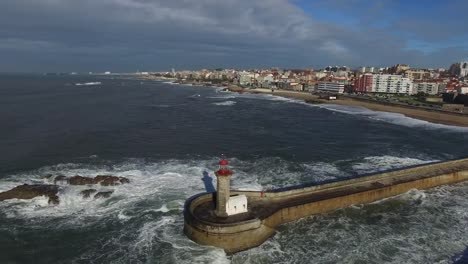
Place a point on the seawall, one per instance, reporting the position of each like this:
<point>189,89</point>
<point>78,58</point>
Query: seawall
<point>267,210</point>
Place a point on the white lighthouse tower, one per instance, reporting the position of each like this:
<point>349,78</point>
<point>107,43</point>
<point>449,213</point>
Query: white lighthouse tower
<point>225,204</point>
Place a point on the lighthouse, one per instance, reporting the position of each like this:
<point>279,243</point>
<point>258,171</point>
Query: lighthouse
<point>223,175</point>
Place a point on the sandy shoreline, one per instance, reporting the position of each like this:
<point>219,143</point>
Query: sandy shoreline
<point>422,114</point>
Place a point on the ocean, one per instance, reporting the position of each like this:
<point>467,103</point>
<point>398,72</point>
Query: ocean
<point>163,137</point>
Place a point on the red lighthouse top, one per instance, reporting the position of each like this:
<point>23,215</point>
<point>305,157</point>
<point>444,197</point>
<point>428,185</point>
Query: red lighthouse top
<point>223,168</point>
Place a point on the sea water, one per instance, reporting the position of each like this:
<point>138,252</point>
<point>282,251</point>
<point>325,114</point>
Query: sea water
<point>166,137</point>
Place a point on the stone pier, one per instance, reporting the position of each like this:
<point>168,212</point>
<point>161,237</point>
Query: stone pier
<point>267,210</point>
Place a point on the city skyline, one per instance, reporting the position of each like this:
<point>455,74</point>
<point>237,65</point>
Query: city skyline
<point>126,35</point>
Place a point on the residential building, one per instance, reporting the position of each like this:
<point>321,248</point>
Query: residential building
<point>363,84</point>
<point>386,83</point>
<point>296,86</point>
<point>330,87</point>
<point>368,70</point>
<point>398,69</point>
<point>463,89</point>
<point>452,85</point>
<point>463,69</point>
<point>426,87</point>
<point>459,69</point>
<point>417,74</point>
<point>246,78</point>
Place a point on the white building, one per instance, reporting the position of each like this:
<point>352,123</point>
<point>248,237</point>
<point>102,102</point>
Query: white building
<point>246,78</point>
<point>405,86</point>
<point>426,87</point>
<point>387,83</point>
<point>463,89</point>
<point>367,69</point>
<point>463,69</point>
<point>236,204</point>
<point>330,87</point>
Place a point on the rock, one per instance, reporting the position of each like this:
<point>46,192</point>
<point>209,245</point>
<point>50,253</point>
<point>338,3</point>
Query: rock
<point>80,180</point>
<point>235,88</point>
<point>103,194</point>
<point>60,179</point>
<point>87,193</point>
<point>124,180</point>
<point>109,180</point>
<point>26,191</point>
<point>54,199</point>
<point>104,180</point>
<point>47,176</point>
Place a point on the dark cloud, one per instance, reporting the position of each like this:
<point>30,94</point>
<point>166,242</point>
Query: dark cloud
<point>125,35</point>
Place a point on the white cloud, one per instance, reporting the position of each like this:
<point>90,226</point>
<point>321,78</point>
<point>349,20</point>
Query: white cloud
<point>237,32</point>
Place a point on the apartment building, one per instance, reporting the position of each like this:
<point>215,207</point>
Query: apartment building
<point>386,83</point>
<point>363,84</point>
<point>426,87</point>
<point>330,87</point>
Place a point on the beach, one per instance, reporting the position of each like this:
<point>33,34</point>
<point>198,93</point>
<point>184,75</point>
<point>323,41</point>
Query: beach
<point>433,116</point>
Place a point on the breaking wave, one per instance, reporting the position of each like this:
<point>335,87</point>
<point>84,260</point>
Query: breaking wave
<point>226,103</point>
<point>393,118</point>
<point>388,117</point>
<point>222,97</point>
<point>142,221</point>
<point>88,84</point>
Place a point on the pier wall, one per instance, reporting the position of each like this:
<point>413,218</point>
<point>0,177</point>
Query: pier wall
<point>293,213</point>
<point>297,203</point>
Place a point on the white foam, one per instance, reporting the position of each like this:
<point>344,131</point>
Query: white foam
<point>414,195</point>
<point>222,97</point>
<point>123,216</point>
<point>7,185</point>
<point>321,171</point>
<point>388,117</point>
<point>386,162</point>
<point>164,185</point>
<point>163,209</point>
<point>226,103</point>
<point>271,97</point>
<point>88,84</point>
<point>158,182</point>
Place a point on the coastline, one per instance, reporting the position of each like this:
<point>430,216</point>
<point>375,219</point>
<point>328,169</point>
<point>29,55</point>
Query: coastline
<point>433,116</point>
<point>439,117</point>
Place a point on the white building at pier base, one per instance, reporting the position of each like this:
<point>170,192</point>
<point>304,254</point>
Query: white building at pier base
<point>236,204</point>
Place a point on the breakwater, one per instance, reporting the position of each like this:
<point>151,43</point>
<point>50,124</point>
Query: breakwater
<point>267,210</point>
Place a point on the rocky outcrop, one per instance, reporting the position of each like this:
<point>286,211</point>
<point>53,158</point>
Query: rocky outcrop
<point>60,179</point>
<point>108,180</point>
<point>103,194</point>
<point>104,180</point>
<point>80,180</point>
<point>87,193</point>
<point>26,191</point>
<point>236,89</point>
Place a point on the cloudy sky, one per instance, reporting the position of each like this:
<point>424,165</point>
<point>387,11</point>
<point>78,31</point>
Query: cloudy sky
<point>126,35</point>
